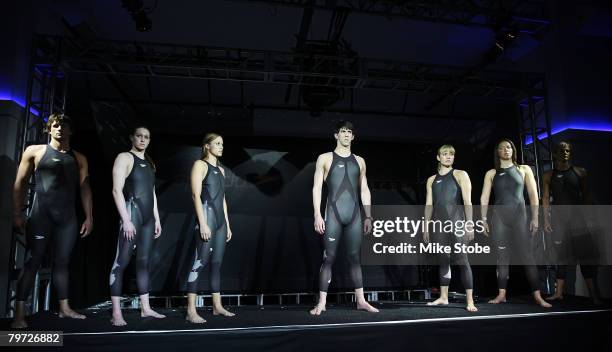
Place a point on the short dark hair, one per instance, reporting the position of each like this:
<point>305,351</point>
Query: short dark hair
<point>59,118</point>
<point>558,146</point>
<point>344,124</point>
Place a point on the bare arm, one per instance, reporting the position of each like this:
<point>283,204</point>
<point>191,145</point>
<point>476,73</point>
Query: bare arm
<point>24,171</point>
<point>534,201</point>
<point>429,196</point>
<point>86,196</point>
<point>157,226</point>
<point>121,170</point>
<point>466,193</point>
<point>546,197</point>
<point>155,210</point>
<point>486,193</point>
<point>366,197</point>
<point>317,185</point>
<point>532,191</point>
<point>225,208</point>
<point>428,207</point>
<point>198,172</point>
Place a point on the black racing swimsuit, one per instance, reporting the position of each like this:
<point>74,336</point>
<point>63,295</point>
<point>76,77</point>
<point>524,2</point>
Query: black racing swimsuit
<point>509,226</point>
<point>342,215</point>
<point>448,205</point>
<point>52,218</point>
<point>138,192</point>
<point>211,251</point>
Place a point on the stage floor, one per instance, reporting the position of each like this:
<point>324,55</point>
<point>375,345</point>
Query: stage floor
<point>515,324</point>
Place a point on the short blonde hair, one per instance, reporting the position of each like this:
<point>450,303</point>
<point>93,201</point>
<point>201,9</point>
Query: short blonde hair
<point>446,148</point>
<point>443,149</point>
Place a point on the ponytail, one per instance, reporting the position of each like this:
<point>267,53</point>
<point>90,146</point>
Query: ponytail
<point>209,137</point>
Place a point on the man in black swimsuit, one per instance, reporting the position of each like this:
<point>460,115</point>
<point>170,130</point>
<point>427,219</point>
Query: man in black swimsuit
<point>345,176</point>
<point>58,172</point>
<point>566,184</point>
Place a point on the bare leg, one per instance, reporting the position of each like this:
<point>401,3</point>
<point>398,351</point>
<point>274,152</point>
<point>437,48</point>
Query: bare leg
<point>443,300</point>
<point>145,308</point>
<point>66,312</point>
<point>539,300</point>
<point>501,297</point>
<point>192,313</point>
<point>320,307</point>
<point>470,307</point>
<point>20,320</point>
<point>218,307</point>
<point>362,304</point>
<point>593,291</point>
<point>117,319</point>
<point>558,290</point>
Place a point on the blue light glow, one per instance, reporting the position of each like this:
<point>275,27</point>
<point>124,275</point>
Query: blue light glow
<point>583,125</point>
<point>9,97</point>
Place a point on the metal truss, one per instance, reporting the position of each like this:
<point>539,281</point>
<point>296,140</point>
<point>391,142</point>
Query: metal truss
<point>535,129</point>
<point>123,58</point>
<point>526,16</point>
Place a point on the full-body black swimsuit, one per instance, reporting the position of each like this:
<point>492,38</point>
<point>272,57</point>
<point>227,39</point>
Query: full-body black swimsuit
<point>211,251</point>
<point>569,227</point>
<point>138,191</point>
<point>448,205</point>
<point>510,226</point>
<point>342,215</point>
<point>52,218</point>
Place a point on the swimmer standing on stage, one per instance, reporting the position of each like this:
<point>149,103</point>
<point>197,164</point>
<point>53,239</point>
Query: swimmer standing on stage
<point>510,226</point>
<point>134,195</point>
<point>59,171</point>
<point>566,184</point>
<point>212,231</point>
<point>447,190</point>
<point>345,176</point>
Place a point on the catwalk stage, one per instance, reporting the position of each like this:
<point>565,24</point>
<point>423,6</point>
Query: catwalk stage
<point>516,325</point>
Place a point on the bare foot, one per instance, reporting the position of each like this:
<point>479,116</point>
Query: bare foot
<point>597,301</point>
<point>222,311</point>
<point>498,299</point>
<point>367,307</point>
<point>19,324</point>
<point>470,307</point>
<point>318,309</point>
<point>69,313</point>
<point>151,313</point>
<point>556,296</point>
<point>117,320</point>
<point>543,303</point>
<point>439,301</point>
<point>195,318</point>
